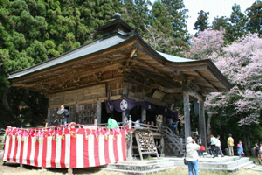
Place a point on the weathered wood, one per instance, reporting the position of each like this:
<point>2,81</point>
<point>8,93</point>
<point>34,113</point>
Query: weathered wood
<point>77,96</point>
<point>202,123</point>
<point>187,114</point>
<point>99,112</point>
<point>129,146</point>
<point>70,171</point>
<point>143,114</point>
<point>139,149</point>
<point>207,80</point>
<point>84,59</point>
<point>145,142</point>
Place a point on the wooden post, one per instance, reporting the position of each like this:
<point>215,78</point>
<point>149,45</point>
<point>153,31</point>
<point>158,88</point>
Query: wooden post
<point>143,115</point>
<point>123,117</point>
<point>186,114</point>
<point>139,149</point>
<point>130,141</point>
<point>180,145</point>
<point>77,112</point>
<point>202,123</point>
<point>95,122</point>
<point>70,171</point>
<point>162,144</point>
<point>99,112</point>
<point>129,147</point>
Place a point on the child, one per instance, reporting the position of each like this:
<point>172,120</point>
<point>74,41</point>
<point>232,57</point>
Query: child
<point>240,149</point>
<point>201,151</point>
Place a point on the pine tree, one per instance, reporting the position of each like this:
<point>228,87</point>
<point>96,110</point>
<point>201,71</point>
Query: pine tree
<point>238,24</point>
<point>178,12</point>
<point>136,14</point>
<point>254,23</point>
<point>160,33</point>
<point>202,21</point>
<point>220,23</point>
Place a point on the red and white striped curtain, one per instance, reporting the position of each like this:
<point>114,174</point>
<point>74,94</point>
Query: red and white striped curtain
<point>70,148</point>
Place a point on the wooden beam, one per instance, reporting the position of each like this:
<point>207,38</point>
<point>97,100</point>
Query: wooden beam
<point>207,80</point>
<point>78,61</point>
<point>195,95</point>
<point>86,73</point>
<point>186,68</point>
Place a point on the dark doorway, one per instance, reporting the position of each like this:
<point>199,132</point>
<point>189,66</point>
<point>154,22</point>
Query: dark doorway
<point>136,113</point>
<point>151,117</point>
<point>114,115</point>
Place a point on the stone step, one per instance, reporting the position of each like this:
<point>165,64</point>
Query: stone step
<point>144,172</point>
<point>250,166</point>
<point>142,166</point>
<point>257,168</point>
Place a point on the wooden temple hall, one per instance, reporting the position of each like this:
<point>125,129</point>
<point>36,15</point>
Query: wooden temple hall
<point>119,75</point>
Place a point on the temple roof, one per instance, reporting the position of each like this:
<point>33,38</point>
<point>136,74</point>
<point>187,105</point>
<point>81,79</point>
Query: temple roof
<point>121,49</point>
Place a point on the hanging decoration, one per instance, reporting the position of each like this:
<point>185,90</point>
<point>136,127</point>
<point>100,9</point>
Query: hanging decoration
<point>72,146</point>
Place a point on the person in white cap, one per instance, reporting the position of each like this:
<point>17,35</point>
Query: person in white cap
<point>192,156</point>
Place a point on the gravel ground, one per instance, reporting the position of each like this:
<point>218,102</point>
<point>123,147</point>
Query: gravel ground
<point>14,169</point>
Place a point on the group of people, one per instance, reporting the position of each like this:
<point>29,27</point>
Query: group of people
<point>231,144</point>
<point>193,150</point>
<point>215,146</point>
<point>258,151</point>
<point>144,124</point>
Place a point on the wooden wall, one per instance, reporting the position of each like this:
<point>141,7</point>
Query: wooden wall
<point>84,104</point>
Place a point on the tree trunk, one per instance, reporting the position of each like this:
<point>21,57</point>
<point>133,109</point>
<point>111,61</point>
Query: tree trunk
<point>246,151</point>
<point>4,99</point>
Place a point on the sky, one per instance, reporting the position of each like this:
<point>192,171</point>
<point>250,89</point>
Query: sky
<point>214,7</point>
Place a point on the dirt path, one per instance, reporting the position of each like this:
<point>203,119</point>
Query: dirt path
<point>14,169</point>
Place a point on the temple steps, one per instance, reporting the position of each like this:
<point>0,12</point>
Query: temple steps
<point>223,164</point>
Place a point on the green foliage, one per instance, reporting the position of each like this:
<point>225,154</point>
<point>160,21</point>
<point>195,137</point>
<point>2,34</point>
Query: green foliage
<point>238,24</point>
<point>202,21</point>
<point>255,18</point>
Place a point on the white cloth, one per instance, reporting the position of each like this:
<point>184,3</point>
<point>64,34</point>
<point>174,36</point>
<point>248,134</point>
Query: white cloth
<point>137,123</point>
<point>191,149</point>
<point>218,143</point>
<point>213,141</point>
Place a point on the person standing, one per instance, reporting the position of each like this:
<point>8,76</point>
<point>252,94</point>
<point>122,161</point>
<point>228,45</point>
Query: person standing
<point>65,113</point>
<point>213,144</point>
<point>231,144</point>
<point>192,156</point>
<point>260,154</point>
<point>218,146</point>
<point>257,148</point>
<point>240,149</point>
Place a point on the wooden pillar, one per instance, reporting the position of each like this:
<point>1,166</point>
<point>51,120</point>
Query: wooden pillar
<point>186,114</point>
<point>99,112</point>
<point>129,146</point>
<point>143,115</point>
<point>70,171</point>
<point>123,117</point>
<point>202,123</point>
<point>77,113</point>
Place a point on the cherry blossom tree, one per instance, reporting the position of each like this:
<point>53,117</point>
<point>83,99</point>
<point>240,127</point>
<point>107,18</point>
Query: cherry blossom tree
<point>241,63</point>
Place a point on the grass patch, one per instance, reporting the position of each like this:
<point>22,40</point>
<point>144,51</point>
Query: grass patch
<point>180,171</point>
